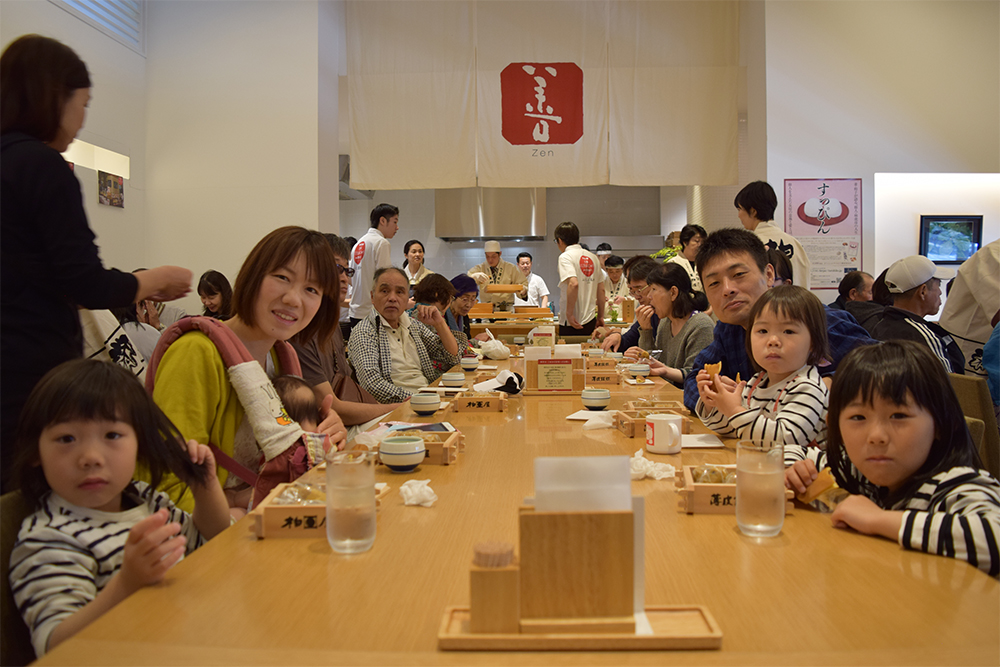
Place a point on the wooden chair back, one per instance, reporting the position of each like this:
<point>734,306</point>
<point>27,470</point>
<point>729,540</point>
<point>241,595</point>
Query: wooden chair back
<point>15,649</point>
<point>974,397</point>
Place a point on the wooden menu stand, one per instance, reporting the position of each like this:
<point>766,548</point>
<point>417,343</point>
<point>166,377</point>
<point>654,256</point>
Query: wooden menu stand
<point>572,589</point>
<point>536,371</point>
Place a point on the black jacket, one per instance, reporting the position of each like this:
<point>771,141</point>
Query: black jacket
<point>899,324</point>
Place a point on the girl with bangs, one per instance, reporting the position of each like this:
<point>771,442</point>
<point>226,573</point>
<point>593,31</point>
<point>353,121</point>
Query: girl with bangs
<point>899,444</point>
<point>287,289</point>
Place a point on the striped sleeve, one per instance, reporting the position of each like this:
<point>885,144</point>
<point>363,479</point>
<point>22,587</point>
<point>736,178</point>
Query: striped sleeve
<point>799,420</point>
<point>956,514</point>
<point>933,341</point>
<point>794,453</point>
<point>713,419</point>
<point>52,577</point>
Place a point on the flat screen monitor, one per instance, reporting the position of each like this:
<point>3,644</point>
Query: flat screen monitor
<point>950,239</point>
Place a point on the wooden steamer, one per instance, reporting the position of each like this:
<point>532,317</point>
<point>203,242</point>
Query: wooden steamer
<point>719,498</point>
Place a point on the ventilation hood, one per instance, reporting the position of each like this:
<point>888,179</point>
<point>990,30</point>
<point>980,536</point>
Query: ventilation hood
<point>465,214</point>
<point>347,193</point>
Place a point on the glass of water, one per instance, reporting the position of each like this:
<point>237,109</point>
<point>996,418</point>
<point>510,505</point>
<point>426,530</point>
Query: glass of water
<point>350,501</point>
<point>760,488</point>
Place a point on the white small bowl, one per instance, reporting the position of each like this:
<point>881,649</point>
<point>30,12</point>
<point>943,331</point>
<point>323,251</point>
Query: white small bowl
<point>617,356</point>
<point>425,404</point>
<point>402,453</point>
<point>453,379</point>
<point>596,399</point>
<point>638,370</point>
<point>470,363</point>
<point>595,352</point>
<point>518,340</point>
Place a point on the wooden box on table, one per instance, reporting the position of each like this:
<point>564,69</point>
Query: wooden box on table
<point>710,498</point>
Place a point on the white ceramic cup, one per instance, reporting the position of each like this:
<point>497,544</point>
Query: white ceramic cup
<point>663,433</point>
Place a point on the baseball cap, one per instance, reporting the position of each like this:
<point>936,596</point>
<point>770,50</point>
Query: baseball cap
<point>914,271</point>
<point>492,246</point>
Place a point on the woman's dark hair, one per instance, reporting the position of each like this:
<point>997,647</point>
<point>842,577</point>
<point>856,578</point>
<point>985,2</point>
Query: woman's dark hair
<point>852,280</point>
<point>880,292</point>
<point>464,284</point>
<point>212,283</point>
<point>891,371</point>
<point>88,389</point>
<point>732,241</point>
<point>434,288</point>
<point>794,303</point>
<point>674,275</point>
<point>381,211</point>
<point>37,76</point>
<point>278,249</point>
<point>758,199</point>
<point>688,232</point>
<point>406,250</point>
<point>126,313</point>
<point>781,264</point>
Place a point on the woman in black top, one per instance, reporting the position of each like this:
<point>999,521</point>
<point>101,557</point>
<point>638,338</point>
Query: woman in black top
<point>49,264</point>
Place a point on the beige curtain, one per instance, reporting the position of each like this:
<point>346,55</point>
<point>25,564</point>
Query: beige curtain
<point>411,95</point>
<point>673,93</point>
<point>542,93</point>
<point>556,42</point>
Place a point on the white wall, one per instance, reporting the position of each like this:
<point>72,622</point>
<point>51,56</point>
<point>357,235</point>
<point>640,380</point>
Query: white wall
<point>232,128</point>
<point>855,88</point>
<point>116,120</point>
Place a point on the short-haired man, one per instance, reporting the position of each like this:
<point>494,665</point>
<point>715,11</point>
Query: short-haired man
<point>371,253</point>
<point>603,251</point>
<point>496,271</point>
<point>854,286</point>
<point>615,285</point>
<point>636,269</point>
<point>327,370</point>
<point>581,288</point>
<point>915,283</point>
<point>755,205</point>
<point>538,291</point>
<point>393,354</point>
<point>734,269</point>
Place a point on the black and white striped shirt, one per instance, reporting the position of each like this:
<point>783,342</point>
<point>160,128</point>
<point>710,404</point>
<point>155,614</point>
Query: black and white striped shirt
<point>65,554</point>
<point>956,513</point>
<point>792,411</point>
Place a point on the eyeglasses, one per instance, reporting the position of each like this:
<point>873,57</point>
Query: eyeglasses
<point>467,298</point>
<point>349,271</point>
<point>638,292</point>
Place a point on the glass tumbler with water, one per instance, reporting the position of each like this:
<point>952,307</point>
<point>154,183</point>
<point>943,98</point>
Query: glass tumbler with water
<point>760,488</point>
<point>350,501</point>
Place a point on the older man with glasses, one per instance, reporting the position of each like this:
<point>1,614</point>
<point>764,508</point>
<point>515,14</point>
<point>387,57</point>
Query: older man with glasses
<point>637,269</point>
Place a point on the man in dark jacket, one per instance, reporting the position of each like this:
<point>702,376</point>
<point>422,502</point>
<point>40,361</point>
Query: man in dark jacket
<point>915,283</point>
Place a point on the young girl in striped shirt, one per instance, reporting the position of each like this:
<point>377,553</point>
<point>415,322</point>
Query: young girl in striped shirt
<point>899,444</point>
<point>97,536</point>
<point>786,401</point>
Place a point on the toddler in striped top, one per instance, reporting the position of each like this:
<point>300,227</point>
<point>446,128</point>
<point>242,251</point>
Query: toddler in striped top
<point>900,446</point>
<point>785,402</point>
<point>97,536</point>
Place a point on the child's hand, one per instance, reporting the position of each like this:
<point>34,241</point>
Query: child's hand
<point>725,395</point>
<point>800,475</point>
<point>202,455</point>
<point>152,547</point>
<point>866,517</point>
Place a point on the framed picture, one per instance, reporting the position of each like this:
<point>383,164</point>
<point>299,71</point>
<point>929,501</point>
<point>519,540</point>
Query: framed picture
<point>950,239</point>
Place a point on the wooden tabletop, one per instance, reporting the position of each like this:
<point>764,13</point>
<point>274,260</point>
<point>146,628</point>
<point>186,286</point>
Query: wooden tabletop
<point>812,595</point>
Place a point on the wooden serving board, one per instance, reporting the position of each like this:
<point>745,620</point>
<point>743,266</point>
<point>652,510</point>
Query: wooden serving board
<point>293,520</point>
<point>675,627</point>
<point>676,407</point>
<point>442,448</point>
<point>632,423</point>
<point>695,498</point>
<point>497,289</point>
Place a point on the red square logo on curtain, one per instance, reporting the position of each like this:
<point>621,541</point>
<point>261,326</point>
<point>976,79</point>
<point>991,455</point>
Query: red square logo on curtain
<point>542,103</point>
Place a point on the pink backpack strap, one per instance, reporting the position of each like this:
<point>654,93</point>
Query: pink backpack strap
<point>288,360</point>
<point>231,348</point>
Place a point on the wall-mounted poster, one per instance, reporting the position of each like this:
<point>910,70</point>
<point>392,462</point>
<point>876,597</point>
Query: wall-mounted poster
<point>824,214</point>
<point>110,189</point>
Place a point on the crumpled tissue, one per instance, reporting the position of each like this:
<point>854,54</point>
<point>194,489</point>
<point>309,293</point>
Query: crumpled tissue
<point>601,419</point>
<point>418,492</point>
<point>641,467</point>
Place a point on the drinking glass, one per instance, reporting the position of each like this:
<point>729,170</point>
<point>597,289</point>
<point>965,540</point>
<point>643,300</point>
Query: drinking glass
<point>350,501</point>
<point>760,488</point>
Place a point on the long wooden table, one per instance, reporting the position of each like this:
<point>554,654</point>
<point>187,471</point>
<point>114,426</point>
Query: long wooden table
<point>812,595</point>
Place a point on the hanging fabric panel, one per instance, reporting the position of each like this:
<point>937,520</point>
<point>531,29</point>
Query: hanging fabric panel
<point>542,93</point>
<point>673,93</point>
<point>411,95</point>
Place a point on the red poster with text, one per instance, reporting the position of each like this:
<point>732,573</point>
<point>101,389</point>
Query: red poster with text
<point>542,103</point>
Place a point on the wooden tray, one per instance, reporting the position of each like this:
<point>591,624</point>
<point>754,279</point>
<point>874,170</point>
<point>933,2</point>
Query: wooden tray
<point>293,520</point>
<point>497,289</point>
<point>632,423</point>
<point>675,627</point>
<point>442,448</point>
<point>667,406</point>
<point>495,402</point>
<point>695,498</point>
